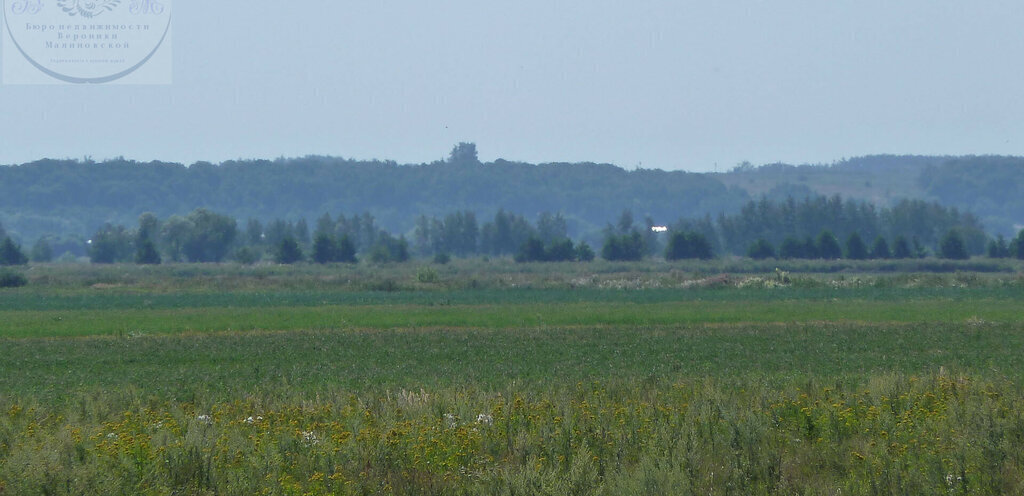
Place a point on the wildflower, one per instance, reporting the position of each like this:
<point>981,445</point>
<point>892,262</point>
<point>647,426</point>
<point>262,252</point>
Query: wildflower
<point>451,420</point>
<point>309,437</point>
<point>485,419</point>
<point>253,420</point>
<point>206,419</point>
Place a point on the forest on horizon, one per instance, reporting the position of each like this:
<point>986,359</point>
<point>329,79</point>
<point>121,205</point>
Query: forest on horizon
<point>66,198</point>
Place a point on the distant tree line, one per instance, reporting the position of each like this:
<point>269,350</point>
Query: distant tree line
<point>812,228</point>
<point>72,197</point>
<point>790,222</point>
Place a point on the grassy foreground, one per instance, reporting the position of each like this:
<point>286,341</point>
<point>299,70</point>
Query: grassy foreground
<point>677,384</point>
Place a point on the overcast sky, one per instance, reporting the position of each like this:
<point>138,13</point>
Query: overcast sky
<point>672,84</point>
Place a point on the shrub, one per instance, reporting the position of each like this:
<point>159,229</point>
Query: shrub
<point>880,249</point>
<point>531,251</point>
<point>626,247</point>
<point>288,251</point>
<point>761,249</point>
<point>246,256</point>
<point>688,244</point>
<point>11,279</point>
<point>11,254</point>
<point>953,247</point>
<point>828,246</point>
<point>584,253</point>
<point>901,248</point>
<point>561,251</point>
<point>426,275</point>
<point>855,248</point>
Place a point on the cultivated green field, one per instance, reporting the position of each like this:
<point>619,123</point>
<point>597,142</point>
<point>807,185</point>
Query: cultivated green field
<point>496,378</point>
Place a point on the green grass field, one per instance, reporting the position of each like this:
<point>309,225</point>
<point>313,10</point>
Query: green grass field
<point>504,379</point>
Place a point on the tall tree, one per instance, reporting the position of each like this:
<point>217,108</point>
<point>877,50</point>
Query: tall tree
<point>687,244</point>
<point>551,227</point>
<point>324,248</point>
<point>42,252</point>
<point>111,244</point>
<point>855,247</point>
<point>1017,246</point>
<point>880,249</point>
<point>174,234</point>
<point>953,247</point>
<point>253,232</point>
<point>792,248</point>
<point>623,247</point>
<point>210,237</point>
<point>10,253</point>
<point>761,249</point>
<point>145,245</point>
<point>901,248</point>
<point>828,246</point>
<point>288,251</point>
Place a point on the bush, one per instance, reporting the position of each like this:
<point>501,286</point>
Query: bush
<point>379,254</point>
<point>761,249</point>
<point>11,254</point>
<point>828,246</point>
<point>11,279</point>
<point>792,248</point>
<point>288,251</point>
<point>442,258</point>
<point>626,247</point>
<point>687,245</point>
<point>880,249</point>
<point>584,253</point>
<point>532,250</point>
<point>146,253</point>
<point>997,248</point>
<point>427,275</point>
<point>953,247</point>
<point>560,251</point>
<point>41,251</point>
<point>246,256</point>
<point>901,249</point>
<point>855,248</point>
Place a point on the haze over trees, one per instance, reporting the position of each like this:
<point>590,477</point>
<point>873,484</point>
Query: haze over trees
<point>460,206</point>
<point>70,197</point>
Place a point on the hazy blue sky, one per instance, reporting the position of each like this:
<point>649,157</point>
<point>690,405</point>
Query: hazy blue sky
<point>671,84</point>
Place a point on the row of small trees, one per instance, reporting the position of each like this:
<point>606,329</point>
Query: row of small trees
<point>204,236</point>
<point>826,246</point>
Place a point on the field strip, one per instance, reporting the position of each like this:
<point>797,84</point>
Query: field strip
<point>66,323</point>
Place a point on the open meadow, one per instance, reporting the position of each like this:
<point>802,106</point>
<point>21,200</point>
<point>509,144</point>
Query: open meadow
<point>489,377</point>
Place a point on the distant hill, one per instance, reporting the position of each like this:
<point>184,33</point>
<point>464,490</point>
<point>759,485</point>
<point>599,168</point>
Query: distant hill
<point>72,197</point>
<point>879,179</point>
<point>991,187</point>
<point>69,197</point>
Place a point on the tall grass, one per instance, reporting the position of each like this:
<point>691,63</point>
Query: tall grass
<point>890,434</point>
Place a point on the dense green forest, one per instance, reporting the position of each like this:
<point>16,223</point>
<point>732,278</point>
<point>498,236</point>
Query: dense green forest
<point>70,200</point>
<point>74,197</point>
<point>990,187</point>
<point>813,228</point>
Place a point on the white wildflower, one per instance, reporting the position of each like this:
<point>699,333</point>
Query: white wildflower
<point>451,420</point>
<point>484,419</point>
<point>205,419</point>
